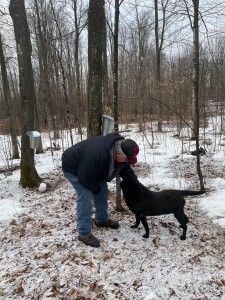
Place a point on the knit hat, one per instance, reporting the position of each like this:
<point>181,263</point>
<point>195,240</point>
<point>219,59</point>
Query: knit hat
<point>130,149</point>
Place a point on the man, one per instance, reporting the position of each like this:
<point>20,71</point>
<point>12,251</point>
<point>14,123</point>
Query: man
<point>88,166</point>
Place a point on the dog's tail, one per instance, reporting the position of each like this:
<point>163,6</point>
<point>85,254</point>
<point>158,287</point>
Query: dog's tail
<point>189,193</point>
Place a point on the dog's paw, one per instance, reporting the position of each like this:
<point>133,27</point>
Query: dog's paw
<point>183,238</point>
<point>134,226</point>
<point>145,236</point>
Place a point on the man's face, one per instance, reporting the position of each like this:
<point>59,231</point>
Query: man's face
<point>120,157</point>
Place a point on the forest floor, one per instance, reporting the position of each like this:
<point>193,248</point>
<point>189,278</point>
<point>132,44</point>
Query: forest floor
<point>41,257</point>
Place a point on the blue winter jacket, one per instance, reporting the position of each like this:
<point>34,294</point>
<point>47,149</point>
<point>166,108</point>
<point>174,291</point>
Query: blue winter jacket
<point>90,161</point>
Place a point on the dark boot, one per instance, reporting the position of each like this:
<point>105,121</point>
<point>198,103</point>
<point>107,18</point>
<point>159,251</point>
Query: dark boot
<point>109,224</point>
<point>90,240</point>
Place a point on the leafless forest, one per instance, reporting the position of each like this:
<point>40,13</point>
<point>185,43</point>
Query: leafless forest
<point>157,60</point>
<point>157,63</point>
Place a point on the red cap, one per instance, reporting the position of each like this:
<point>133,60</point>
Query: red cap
<point>130,148</point>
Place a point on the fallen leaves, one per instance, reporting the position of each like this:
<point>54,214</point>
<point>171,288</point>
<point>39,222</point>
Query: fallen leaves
<point>41,258</point>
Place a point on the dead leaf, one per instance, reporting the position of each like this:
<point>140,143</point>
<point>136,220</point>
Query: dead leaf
<point>156,241</point>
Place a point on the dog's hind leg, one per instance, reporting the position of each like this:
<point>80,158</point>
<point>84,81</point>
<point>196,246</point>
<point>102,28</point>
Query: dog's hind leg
<point>186,218</point>
<point>182,219</point>
<point>145,224</point>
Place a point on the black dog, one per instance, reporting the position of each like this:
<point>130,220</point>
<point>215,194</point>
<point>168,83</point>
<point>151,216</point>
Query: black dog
<point>143,202</point>
<point>202,151</point>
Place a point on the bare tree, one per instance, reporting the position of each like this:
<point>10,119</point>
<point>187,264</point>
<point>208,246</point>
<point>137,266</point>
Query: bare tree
<point>29,176</point>
<point>96,18</point>
<point>195,80</point>
<point>159,39</point>
<point>62,69</point>
<point>115,66</point>
<point>115,92</point>
<point>78,29</point>
<point>107,100</point>
<point>195,87</point>
<point>8,102</point>
<point>43,54</point>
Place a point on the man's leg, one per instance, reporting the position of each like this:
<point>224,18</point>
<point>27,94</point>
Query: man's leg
<point>84,205</point>
<point>101,203</point>
<point>101,208</point>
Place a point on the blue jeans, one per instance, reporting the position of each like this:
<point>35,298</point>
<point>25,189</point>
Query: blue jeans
<point>85,201</point>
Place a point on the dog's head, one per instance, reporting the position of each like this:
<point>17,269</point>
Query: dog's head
<point>202,151</point>
<point>131,190</point>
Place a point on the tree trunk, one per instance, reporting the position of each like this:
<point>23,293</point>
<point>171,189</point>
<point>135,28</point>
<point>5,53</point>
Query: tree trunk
<point>43,51</point>
<point>158,66</point>
<point>64,82</point>
<point>96,18</point>
<point>115,67</point>
<point>195,86</point>
<point>159,40</point>
<point>8,100</point>
<point>106,101</point>
<point>77,68</point>
<point>29,176</point>
<point>195,72</point>
<point>119,206</point>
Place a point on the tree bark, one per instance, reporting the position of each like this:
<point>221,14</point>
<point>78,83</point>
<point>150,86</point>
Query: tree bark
<point>108,106</point>
<point>43,52</point>
<point>77,67</point>
<point>158,66</point>
<point>159,39</point>
<point>29,176</point>
<point>64,81</point>
<point>119,206</point>
<point>115,67</point>
<point>8,100</point>
<point>195,86</point>
<point>96,17</point>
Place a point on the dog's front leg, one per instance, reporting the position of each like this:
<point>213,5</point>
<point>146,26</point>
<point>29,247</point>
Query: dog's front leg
<point>137,221</point>
<point>145,224</point>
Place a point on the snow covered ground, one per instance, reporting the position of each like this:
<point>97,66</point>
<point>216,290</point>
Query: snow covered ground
<point>41,258</point>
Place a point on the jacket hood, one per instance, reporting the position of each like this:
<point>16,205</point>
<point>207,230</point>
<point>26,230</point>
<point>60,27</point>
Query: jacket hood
<point>111,138</point>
